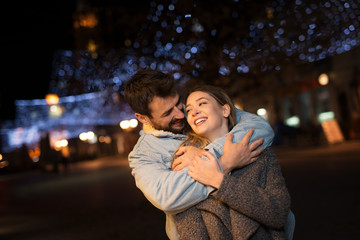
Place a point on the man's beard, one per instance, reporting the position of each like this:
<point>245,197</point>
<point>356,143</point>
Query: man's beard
<point>170,127</point>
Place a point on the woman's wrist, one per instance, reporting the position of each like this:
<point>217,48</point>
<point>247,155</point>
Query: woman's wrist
<point>217,180</point>
<point>225,165</point>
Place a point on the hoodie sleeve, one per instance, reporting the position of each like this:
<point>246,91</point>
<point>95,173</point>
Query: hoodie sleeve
<point>167,190</point>
<point>246,121</point>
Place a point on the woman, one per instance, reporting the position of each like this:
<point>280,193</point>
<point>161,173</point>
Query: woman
<point>251,202</point>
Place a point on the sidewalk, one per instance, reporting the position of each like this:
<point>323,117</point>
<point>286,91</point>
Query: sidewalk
<point>346,146</point>
<point>98,199</point>
<point>324,185</point>
<point>73,168</point>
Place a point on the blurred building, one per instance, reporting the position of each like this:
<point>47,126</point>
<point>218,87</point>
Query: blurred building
<point>74,128</point>
<point>303,97</point>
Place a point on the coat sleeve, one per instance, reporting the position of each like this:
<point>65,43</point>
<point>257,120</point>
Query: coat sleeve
<point>268,202</point>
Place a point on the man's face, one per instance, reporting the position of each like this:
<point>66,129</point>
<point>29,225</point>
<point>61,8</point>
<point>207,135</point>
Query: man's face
<point>167,114</point>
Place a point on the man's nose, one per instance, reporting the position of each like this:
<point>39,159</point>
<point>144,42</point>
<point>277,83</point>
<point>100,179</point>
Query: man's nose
<point>179,113</point>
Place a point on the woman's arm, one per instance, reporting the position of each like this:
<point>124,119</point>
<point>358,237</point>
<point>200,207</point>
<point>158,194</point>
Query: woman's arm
<point>205,171</point>
<point>235,155</point>
<point>267,203</point>
<point>263,198</point>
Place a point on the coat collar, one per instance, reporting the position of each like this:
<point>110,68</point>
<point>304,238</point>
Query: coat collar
<point>148,129</point>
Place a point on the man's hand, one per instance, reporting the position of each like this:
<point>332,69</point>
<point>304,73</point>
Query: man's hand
<point>237,155</point>
<point>186,155</point>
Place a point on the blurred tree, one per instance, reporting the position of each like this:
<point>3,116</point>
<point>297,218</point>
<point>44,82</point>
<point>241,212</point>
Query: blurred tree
<point>229,43</point>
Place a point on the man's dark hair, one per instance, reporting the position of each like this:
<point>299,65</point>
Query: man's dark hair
<point>144,85</point>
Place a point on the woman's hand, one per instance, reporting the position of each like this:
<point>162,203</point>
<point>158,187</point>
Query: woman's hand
<point>185,156</point>
<point>206,172</point>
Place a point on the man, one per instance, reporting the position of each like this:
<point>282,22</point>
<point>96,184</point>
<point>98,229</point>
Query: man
<point>153,97</point>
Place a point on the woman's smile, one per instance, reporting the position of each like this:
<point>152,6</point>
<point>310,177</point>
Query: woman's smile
<point>200,121</point>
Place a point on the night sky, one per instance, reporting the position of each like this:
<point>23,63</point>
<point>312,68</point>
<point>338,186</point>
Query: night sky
<point>30,33</point>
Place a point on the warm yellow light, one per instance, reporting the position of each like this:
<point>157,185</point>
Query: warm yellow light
<point>125,124</point>
<point>88,20</point>
<point>55,111</point>
<point>63,143</point>
<point>59,144</point>
<point>105,139</point>
<point>323,79</point>
<point>332,131</point>
<point>262,113</point>
<point>4,163</point>
<point>92,46</point>
<point>83,136</point>
<point>90,135</point>
<point>52,99</point>
<point>133,123</point>
<point>34,153</point>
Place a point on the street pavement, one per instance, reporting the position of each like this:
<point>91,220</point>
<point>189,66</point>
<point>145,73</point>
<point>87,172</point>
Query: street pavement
<point>98,199</point>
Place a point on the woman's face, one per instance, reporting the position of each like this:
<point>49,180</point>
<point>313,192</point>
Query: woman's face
<point>206,116</point>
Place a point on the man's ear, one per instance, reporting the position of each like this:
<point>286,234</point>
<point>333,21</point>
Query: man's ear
<point>142,118</point>
<point>226,110</point>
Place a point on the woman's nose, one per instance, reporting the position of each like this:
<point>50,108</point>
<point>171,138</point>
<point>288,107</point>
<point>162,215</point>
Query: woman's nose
<point>195,111</point>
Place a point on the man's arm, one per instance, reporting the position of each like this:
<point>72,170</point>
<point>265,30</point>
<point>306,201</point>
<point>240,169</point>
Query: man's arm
<point>244,155</point>
<point>246,122</point>
<point>243,143</point>
<point>167,190</point>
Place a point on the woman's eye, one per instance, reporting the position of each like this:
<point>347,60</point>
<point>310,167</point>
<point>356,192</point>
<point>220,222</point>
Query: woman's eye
<point>188,110</point>
<point>201,103</point>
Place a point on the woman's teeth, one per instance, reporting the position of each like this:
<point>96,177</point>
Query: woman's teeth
<point>200,120</point>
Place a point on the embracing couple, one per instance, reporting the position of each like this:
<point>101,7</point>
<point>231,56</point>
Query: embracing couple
<point>208,165</point>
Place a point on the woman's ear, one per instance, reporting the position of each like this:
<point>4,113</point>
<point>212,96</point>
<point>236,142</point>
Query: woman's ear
<point>142,118</point>
<point>226,110</point>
